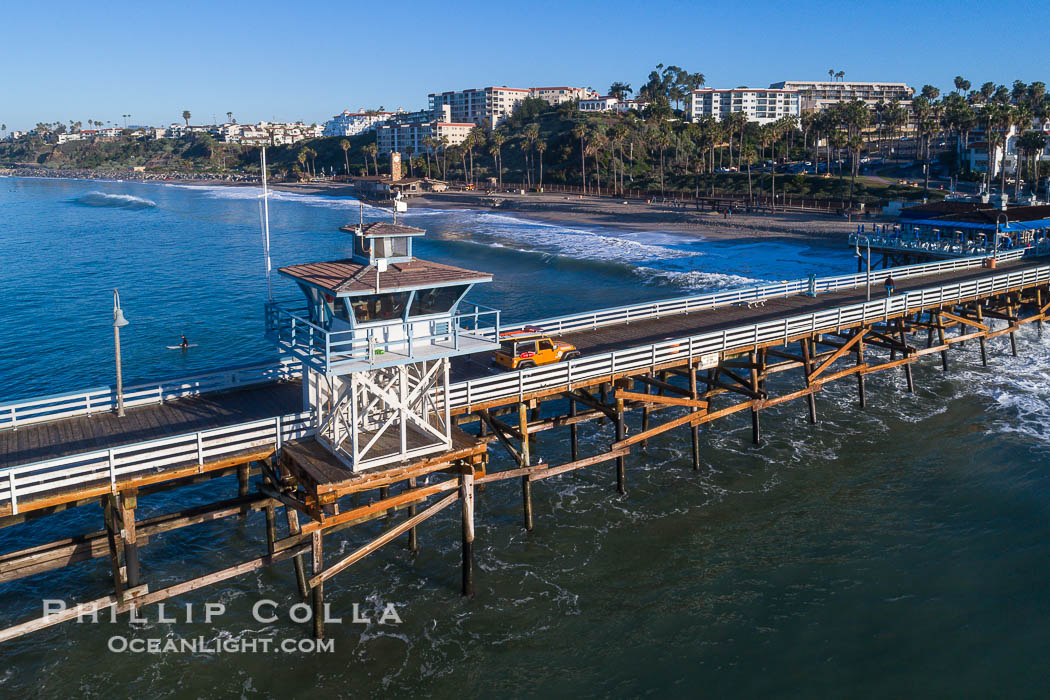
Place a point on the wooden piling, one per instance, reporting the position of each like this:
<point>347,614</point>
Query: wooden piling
<point>645,413</point>
<point>466,498</point>
<point>128,503</point>
<point>300,568</point>
<point>271,528</point>
<point>756,430</point>
<point>413,536</point>
<point>318,592</point>
<point>807,360</point>
<point>621,433</point>
<point>526,460</point>
<point>861,393</point>
<point>941,339</point>
<point>116,553</point>
<point>243,482</point>
<point>694,430</point>
<point>574,433</point>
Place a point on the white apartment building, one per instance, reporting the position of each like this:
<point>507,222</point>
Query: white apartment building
<point>353,123</point>
<point>410,138</point>
<point>762,105</point>
<point>818,94</point>
<point>558,95</point>
<point>485,107</point>
<point>610,104</point>
<point>66,138</point>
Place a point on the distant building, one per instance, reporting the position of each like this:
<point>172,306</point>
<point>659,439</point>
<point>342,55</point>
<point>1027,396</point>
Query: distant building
<point>66,138</point>
<point>486,107</point>
<point>353,123</point>
<point>762,105</point>
<point>819,94</point>
<point>410,138</point>
<point>558,95</point>
<point>610,104</point>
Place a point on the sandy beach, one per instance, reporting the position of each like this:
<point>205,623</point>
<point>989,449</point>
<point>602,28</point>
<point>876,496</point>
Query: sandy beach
<point>624,214</point>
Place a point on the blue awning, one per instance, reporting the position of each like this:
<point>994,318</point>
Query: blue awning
<point>950,225</point>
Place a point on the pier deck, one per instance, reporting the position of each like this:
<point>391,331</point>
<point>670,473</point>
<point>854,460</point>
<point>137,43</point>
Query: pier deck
<point>97,431</point>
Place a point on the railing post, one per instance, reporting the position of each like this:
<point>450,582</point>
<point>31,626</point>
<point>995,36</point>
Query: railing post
<point>277,425</point>
<point>112,473</point>
<point>14,493</point>
<point>200,451</point>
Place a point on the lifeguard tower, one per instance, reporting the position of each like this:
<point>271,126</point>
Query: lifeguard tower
<point>375,337</point>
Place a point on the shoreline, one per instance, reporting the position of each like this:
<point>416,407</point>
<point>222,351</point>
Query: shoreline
<point>555,208</point>
<point>629,215</point>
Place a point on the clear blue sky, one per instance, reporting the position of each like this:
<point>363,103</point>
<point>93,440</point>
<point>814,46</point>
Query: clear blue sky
<point>309,60</point>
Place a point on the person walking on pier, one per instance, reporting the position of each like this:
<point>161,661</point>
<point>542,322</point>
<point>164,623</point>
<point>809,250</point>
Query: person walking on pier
<point>889,285</point>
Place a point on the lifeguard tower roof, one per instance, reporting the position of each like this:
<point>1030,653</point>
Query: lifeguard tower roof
<point>382,229</point>
<point>351,278</point>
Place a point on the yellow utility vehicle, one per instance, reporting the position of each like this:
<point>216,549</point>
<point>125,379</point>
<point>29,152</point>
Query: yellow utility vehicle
<point>522,349</point>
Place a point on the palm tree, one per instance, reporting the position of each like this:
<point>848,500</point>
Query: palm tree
<point>579,131</point>
<point>475,139</point>
<point>747,155</point>
<point>831,73</point>
<point>497,142</point>
<point>186,116</point>
<point>841,75</point>
<point>620,90</point>
<point>229,117</point>
<point>541,146</point>
<point>370,151</point>
<point>1031,143</point>
<point>345,145</point>
<point>301,157</point>
<point>428,145</point>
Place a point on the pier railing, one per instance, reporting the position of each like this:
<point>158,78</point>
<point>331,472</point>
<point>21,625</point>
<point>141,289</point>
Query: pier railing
<point>746,295</point>
<point>100,399</point>
<point>104,468</point>
<point>707,346</point>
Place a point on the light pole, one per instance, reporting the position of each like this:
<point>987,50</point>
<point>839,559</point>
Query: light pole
<point>118,322</point>
<point>867,243</point>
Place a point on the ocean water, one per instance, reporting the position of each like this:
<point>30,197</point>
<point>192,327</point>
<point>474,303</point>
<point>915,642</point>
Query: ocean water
<point>898,551</point>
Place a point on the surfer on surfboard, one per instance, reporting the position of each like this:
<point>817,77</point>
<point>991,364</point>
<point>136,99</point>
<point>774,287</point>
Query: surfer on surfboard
<point>185,343</point>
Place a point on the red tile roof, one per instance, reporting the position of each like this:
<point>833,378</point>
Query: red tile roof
<point>347,277</point>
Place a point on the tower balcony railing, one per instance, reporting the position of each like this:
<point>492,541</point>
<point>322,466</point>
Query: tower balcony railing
<point>473,328</point>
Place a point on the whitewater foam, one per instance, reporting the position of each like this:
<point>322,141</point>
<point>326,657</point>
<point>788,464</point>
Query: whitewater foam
<point>119,201</point>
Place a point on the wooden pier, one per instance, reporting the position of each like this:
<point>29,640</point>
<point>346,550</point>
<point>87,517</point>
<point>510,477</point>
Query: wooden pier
<point>677,365</point>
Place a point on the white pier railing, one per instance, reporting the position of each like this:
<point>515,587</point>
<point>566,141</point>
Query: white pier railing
<point>107,467</point>
<point>566,374</point>
<point>47,408</point>
<point>731,297</point>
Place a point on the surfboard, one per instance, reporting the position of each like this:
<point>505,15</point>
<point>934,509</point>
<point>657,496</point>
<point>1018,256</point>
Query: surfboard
<point>179,347</point>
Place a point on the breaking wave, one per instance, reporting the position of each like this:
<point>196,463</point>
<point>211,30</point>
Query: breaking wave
<point>115,201</point>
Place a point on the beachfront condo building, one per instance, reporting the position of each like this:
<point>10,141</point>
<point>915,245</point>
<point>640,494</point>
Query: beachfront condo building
<point>818,94</point>
<point>762,105</point>
<point>353,123</point>
<point>489,106</point>
<point>411,138</point>
<point>485,107</point>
